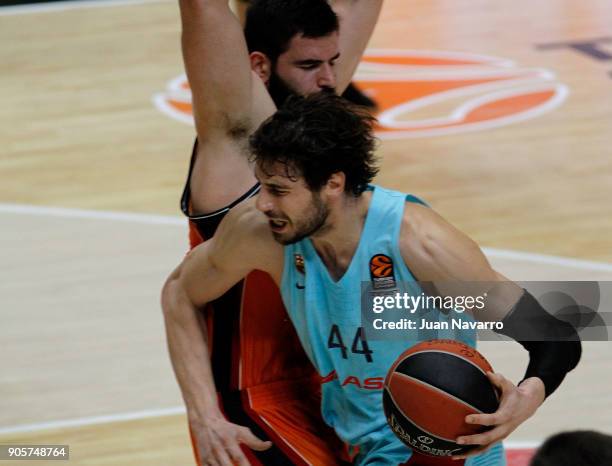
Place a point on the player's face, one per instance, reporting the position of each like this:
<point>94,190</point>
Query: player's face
<point>308,65</point>
<point>293,210</point>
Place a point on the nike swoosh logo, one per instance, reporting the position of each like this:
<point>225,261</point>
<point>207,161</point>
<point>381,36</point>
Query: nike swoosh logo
<point>299,287</point>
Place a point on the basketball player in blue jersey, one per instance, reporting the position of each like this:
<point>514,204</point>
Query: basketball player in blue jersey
<point>291,46</point>
<point>314,227</point>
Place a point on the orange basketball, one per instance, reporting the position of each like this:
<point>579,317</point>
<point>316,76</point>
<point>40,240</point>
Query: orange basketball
<point>429,391</point>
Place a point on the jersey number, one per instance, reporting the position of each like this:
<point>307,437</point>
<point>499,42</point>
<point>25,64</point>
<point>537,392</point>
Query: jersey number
<point>359,346</point>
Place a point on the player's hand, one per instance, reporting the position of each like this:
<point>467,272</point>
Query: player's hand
<point>218,442</point>
<point>517,404</point>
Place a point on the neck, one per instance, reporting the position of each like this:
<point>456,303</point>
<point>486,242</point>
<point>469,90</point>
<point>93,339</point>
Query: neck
<point>337,241</point>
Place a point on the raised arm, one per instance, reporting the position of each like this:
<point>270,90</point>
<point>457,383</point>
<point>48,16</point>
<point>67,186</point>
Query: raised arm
<point>206,273</point>
<point>217,66</point>
<point>357,21</point>
<point>229,101</point>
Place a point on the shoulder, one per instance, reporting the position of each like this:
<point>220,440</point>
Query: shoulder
<point>244,235</point>
<point>244,222</point>
<point>421,226</point>
<point>436,249</point>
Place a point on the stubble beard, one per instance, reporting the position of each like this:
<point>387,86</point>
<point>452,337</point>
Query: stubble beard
<point>313,222</point>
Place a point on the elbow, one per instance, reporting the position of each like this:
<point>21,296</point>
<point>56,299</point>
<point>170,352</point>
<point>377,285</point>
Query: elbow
<point>567,343</point>
<point>169,294</point>
<point>575,353</point>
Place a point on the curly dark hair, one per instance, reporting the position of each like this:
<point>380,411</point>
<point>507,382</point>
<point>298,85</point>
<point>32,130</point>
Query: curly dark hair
<point>271,24</point>
<point>317,136</point>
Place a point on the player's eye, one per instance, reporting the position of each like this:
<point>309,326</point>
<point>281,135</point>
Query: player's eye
<point>277,192</point>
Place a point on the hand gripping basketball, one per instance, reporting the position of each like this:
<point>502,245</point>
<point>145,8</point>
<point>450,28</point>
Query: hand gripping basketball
<point>430,390</point>
<point>517,405</point>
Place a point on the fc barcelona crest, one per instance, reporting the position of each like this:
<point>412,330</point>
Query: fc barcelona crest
<point>299,263</point>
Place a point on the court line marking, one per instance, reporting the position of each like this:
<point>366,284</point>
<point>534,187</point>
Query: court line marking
<point>520,444</point>
<point>65,212</point>
<point>93,420</point>
<point>163,412</point>
<point>151,219</point>
<point>70,5</point>
<point>548,259</point>
<point>62,212</point>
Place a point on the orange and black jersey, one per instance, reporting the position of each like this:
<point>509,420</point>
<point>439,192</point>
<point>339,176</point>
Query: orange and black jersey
<point>206,224</point>
<point>245,351</point>
<point>254,348</point>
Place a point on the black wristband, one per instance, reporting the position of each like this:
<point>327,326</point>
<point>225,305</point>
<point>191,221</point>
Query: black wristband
<point>553,345</point>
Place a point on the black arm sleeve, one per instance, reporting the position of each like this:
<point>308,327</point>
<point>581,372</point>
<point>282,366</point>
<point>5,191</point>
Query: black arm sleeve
<point>553,345</point>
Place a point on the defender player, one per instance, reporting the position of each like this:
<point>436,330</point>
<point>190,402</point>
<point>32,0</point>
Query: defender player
<point>314,227</point>
<point>295,46</point>
<point>351,93</point>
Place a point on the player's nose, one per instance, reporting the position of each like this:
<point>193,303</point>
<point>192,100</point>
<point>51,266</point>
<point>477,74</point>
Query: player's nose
<point>326,77</point>
<point>262,202</point>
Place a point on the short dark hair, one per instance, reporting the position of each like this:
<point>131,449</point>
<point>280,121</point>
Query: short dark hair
<point>317,136</point>
<point>270,24</point>
<point>584,448</point>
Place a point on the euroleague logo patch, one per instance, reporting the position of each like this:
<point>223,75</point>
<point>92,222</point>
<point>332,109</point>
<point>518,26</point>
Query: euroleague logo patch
<point>381,272</point>
<point>430,93</point>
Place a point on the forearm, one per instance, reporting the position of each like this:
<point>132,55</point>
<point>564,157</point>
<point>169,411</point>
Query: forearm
<point>215,439</point>
<point>195,9</point>
<point>187,345</point>
<point>341,5</point>
<point>239,7</point>
<point>357,21</point>
<point>220,81</point>
<point>554,345</point>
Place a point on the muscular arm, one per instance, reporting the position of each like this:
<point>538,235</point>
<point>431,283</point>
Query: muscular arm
<point>220,81</point>
<point>239,7</point>
<point>357,21</point>
<point>205,274</point>
<point>439,253</point>
<point>228,101</point>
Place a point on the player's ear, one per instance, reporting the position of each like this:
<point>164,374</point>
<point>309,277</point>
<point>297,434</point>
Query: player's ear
<point>335,184</point>
<point>262,65</point>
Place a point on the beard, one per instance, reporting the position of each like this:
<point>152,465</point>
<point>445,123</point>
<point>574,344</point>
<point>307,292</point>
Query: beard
<point>278,89</point>
<point>310,223</point>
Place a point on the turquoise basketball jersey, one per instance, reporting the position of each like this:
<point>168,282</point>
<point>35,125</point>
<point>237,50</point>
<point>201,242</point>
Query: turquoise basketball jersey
<point>328,319</point>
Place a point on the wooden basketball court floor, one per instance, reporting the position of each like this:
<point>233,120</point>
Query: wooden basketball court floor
<point>91,172</point>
